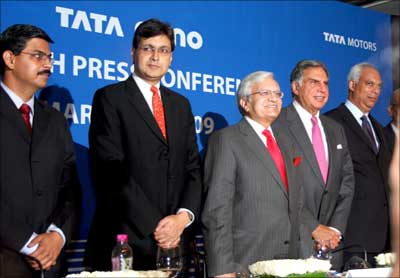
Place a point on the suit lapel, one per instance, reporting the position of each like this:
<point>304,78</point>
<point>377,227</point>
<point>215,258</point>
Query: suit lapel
<point>329,134</point>
<point>259,150</point>
<point>11,114</point>
<point>169,115</point>
<point>350,121</point>
<point>137,100</point>
<point>298,131</point>
<point>40,124</point>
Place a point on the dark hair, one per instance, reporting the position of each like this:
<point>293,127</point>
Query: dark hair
<point>151,28</point>
<point>15,38</point>
<point>301,66</point>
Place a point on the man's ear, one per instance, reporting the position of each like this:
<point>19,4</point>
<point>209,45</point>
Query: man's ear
<point>243,104</point>
<point>295,87</point>
<point>133,52</point>
<point>9,59</point>
<point>352,85</point>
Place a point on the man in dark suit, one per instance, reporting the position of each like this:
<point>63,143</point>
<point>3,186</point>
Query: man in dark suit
<point>254,191</point>
<point>368,224</point>
<point>145,158</point>
<point>38,182</point>
<point>392,128</point>
<point>328,190</point>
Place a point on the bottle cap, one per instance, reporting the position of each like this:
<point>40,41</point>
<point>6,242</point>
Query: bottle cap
<point>122,237</point>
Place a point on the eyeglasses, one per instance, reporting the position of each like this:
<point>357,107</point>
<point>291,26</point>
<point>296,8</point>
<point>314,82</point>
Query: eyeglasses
<point>269,93</point>
<point>148,49</point>
<point>40,56</point>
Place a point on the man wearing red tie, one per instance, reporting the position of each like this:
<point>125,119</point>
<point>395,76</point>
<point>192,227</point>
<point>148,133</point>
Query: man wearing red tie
<point>253,181</point>
<point>144,157</point>
<point>39,188</point>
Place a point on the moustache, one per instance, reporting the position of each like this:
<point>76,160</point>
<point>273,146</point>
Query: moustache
<point>48,72</point>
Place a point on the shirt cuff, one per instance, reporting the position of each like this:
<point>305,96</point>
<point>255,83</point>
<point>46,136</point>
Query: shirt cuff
<point>336,230</point>
<point>191,217</point>
<point>29,250</point>
<point>54,228</point>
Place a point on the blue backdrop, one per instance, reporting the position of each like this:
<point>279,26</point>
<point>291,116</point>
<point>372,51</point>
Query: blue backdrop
<point>218,43</point>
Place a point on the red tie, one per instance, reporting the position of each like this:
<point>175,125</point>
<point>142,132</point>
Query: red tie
<point>158,110</point>
<point>25,110</point>
<point>276,155</point>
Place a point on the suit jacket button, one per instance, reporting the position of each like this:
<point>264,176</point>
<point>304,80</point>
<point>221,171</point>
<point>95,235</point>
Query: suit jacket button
<point>39,192</point>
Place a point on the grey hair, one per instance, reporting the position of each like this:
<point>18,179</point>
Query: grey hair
<point>355,71</point>
<point>301,66</point>
<point>244,90</point>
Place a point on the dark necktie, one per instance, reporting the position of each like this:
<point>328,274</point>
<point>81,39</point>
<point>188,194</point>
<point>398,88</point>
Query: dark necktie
<point>276,155</point>
<point>158,110</point>
<point>319,149</point>
<point>366,126</point>
<point>25,110</point>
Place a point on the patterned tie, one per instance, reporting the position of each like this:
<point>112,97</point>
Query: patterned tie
<point>158,110</point>
<point>25,110</point>
<point>276,155</point>
<point>319,149</point>
<point>366,126</point>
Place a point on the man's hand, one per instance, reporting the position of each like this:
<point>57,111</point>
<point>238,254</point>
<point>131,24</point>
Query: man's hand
<point>49,247</point>
<point>327,234</point>
<point>170,228</point>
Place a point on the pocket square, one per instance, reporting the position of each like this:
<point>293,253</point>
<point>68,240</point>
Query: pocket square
<point>339,147</point>
<point>297,161</point>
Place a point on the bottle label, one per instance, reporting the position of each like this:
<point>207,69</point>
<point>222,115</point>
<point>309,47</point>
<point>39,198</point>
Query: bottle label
<point>121,264</point>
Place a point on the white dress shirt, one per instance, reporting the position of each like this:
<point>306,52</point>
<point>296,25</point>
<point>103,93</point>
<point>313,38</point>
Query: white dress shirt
<point>305,117</point>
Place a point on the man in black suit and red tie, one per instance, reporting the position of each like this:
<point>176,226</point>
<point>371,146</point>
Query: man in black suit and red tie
<point>39,188</point>
<point>368,223</point>
<point>144,156</point>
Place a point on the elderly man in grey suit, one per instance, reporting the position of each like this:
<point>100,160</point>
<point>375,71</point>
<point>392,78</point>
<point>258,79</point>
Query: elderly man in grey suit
<point>329,183</point>
<point>251,175</point>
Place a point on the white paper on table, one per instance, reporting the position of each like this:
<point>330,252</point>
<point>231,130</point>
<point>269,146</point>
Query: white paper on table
<point>370,272</point>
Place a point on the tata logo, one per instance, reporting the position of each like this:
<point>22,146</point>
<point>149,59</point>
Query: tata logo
<point>93,22</point>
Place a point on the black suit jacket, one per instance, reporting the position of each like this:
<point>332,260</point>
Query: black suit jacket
<point>390,135</point>
<point>140,177</point>
<point>38,179</point>
<point>368,223</point>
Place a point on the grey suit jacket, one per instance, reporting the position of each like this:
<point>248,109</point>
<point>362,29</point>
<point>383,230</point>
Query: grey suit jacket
<point>248,216</point>
<point>328,204</point>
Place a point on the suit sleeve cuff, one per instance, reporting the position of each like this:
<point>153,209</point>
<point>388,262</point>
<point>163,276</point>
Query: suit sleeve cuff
<point>29,250</point>
<point>54,228</point>
<point>191,216</point>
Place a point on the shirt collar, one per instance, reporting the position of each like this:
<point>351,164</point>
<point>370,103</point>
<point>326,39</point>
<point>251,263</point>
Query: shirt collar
<point>16,99</point>
<point>142,84</point>
<point>303,113</point>
<point>357,113</point>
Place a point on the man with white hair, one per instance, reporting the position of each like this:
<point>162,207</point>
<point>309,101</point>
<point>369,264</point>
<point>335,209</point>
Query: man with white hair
<point>368,224</point>
<point>254,189</point>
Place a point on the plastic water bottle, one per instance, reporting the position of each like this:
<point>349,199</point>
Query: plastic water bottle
<point>121,256</point>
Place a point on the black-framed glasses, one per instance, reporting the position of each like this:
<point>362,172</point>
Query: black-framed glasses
<point>149,49</point>
<point>40,56</point>
<point>269,93</point>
